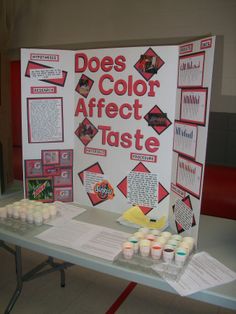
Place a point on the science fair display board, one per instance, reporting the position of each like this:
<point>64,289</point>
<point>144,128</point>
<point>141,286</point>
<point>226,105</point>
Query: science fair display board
<point>117,127</point>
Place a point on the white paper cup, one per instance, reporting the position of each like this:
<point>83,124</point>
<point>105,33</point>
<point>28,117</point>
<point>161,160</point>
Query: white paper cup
<point>150,237</point>
<point>165,234</point>
<point>185,246</point>
<point>177,237</point>
<point>9,210</point>
<point>180,256</point>
<point>144,230</point>
<point>38,218</point>
<point>168,254</point>
<point>156,250</point>
<point>139,235</point>
<point>135,242</point>
<point>161,240</point>
<point>128,250</point>
<point>23,215</point>
<point>45,213</point>
<point>190,241</point>
<point>16,212</point>
<point>173,243</point>
<point>144,247</point>
<point>3,213</point>
<point>16,203</point>
<point>29,216</point>
<point>52,210</point>
<point>156,232</point>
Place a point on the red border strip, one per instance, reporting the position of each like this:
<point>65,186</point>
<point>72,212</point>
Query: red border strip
<point>124,295</point>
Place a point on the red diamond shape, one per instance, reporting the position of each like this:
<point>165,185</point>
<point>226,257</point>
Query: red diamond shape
<point>162,192</point>
<point>148,64</point>
<point>187,202</point>
<point>159,127</point>
<point>86,131</point>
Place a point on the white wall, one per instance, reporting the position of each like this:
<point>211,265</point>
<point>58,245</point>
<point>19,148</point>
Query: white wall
<point>97,22</point>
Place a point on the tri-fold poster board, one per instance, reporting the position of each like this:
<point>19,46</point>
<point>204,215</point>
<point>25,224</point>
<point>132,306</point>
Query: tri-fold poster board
<point>116,127</point>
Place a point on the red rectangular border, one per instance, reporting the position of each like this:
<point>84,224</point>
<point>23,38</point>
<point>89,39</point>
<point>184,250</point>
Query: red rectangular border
<point>200,90</point>
<point>146,157</point>
<point>51,170</point>
<point>50,57</point>
<point>206,43</point>
<point>28,121</point>
<point>27,161</point>
<point>175,188</point>
<point>66,151</point>
<point>44,90</point>
<point>180,152</point>
<point>93,150</point>
<point>47,163</point>
<point>203,64</point>
<point>57,189</point>
<point>49,200</point>
<point>69,184</point>
<point>185,188</point>
<point>35,65</point>
<point>187,48</point>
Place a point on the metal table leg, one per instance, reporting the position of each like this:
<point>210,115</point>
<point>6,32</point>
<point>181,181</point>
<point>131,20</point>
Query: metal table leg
<point>19,281</point>
<point>33,273</point>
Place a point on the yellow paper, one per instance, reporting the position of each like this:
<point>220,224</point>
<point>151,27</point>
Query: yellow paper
<point>136,216</point>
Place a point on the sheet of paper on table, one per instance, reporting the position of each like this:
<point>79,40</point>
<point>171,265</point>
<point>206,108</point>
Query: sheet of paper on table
<point>92,239</point>
<point>65,212</point>
<point>202,272</point>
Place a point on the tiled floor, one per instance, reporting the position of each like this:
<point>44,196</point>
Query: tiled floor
<point>87,292</point>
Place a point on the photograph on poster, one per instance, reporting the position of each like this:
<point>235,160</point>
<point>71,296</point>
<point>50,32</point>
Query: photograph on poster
<point>158,120</point>
<point>189,176</point>
<point>89,178</point>
<point>40,189</point>
<point>63,194</point>
<point>191,70</point>
<point>193,105</point>
<point>50,157</point>
<point>185,139</point>
<point>45,120</point>
<point>45,73</point>
<point>84,85</point>
<point>33,168</point>
<point>66,157</point>
<point>86,131</point>
<point>148,64</point>
<point>64,178</point>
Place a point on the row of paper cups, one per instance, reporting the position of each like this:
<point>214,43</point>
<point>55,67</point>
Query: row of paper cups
<point>159,245</point>
<point>29,211</point>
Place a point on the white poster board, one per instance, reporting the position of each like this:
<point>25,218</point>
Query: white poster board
<point>190,134</point>
<point>112,128</point>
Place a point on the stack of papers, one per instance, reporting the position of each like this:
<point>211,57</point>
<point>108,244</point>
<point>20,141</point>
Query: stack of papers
<point>202,272</point>
<point>95,240</point>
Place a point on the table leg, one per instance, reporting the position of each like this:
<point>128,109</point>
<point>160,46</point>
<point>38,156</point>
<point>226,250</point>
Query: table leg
<point>19,281</point>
